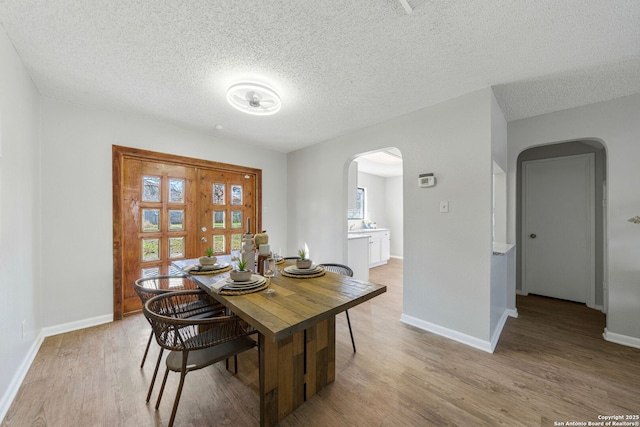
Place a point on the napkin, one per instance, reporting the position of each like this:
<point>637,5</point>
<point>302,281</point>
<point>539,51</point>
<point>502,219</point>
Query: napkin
<point>220,284</point>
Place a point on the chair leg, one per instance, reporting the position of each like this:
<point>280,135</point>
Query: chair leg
<point>155,373</point>
<point>353,343</point>
<point>144,358</point>
<point>164,382</point>
<point>183,374</point>
<point>235,363</point>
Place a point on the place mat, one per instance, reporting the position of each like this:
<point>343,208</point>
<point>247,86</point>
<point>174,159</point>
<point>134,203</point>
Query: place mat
<point>304,275</point>
<point>256,284</point>
<point>218,271</point>
<point>280,261</point>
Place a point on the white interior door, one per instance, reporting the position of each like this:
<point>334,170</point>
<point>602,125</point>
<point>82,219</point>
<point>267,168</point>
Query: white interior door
<point>558,228</point>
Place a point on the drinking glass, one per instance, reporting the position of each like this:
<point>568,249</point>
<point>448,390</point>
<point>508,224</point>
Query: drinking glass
<point>269,271</point>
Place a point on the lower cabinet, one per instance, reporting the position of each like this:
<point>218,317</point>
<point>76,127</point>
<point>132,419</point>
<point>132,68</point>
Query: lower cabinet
<point>379,247</point>
<point>358,257</point>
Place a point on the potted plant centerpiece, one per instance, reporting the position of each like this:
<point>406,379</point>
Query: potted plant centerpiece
<point>303,262</point>
<point>240,274</point>
<point>208,259</point>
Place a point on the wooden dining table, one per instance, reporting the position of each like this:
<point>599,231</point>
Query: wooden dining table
<point>296,332</point>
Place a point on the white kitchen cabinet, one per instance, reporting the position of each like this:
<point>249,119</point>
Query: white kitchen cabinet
<point>375,250</point>
<point>385,245</point>
<point>358,256</point>
<point>379,250</point>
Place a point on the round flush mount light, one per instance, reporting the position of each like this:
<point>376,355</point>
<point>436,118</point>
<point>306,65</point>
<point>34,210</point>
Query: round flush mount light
<point>254,98</point>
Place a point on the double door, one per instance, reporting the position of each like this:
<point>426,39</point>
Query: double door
<point>169,209</point>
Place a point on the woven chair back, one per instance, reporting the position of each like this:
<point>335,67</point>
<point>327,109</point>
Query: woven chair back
<point>338,268</point>
<point>149,287</point>
<point>170,315</point>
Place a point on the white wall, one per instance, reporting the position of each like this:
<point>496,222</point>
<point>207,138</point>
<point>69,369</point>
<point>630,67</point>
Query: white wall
<point>395,214</point>
<point>617,124</point>
<point>77,197</point>
<point>502,286</point>
<point>19,221</point>
<point>375,205</point>
<point>447,257</point>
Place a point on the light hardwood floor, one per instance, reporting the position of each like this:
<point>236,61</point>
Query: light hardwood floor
<point>551,365</point>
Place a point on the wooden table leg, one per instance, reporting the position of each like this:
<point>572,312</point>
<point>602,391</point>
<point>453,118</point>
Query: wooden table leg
<point>294,369</point>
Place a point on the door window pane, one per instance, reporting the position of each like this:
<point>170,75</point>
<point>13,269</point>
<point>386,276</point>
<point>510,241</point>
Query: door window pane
<point>218,194</point>
<point>236,194</point>
<point>176,190</point>
<point>236,219</point>
<point>176,219</point>
<point>176,247</point>
<point>236,242</point>
<point>150,188</point>
<point>218,244</point>
<point>149,272</point>
<point>150,219</point>
<point>218,219</point>
<point>150,249</point>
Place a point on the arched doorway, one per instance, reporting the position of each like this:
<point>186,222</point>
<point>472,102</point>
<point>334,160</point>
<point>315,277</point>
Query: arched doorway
<point>541,171</point>
<point>374,209</point>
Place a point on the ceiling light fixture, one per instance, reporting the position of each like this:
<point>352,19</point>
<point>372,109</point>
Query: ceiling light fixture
<point>254,98</point>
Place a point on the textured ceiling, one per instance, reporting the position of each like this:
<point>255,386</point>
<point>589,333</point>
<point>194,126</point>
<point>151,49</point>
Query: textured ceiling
<point>338,65</point>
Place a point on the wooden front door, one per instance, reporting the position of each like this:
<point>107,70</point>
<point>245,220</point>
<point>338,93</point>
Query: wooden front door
<point>168,208</point>
<point>226,209</point>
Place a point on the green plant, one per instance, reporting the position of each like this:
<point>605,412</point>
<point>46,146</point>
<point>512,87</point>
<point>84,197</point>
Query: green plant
<point>241,265</point>
<point>208,252</point>
<point>302,253</point>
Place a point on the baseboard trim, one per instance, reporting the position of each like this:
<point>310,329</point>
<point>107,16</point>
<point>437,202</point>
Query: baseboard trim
<point>19,376</point>
<point>397,256</point>
<point>448,333</point>
<point>621,339</point>
<point>10,394</point>
<point>50,331</point>
<point>512,312</point>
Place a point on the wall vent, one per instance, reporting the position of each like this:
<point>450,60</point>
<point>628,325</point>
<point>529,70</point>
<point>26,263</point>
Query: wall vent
<point>410,5</point>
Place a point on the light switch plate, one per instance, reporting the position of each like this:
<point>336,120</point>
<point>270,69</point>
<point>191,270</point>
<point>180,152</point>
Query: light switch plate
<point>444,207</point>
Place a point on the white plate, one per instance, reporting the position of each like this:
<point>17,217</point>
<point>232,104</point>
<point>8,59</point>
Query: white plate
<point>314,269</point>
<point>247,284</point>
<point>216,266</point>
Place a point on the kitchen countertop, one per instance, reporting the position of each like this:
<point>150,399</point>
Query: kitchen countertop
<point>366,230</point>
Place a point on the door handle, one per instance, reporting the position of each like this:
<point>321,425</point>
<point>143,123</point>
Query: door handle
<point>533,236</point>
<point>203,239</point>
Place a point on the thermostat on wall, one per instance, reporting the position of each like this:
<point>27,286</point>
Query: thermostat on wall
<point>426,180</point>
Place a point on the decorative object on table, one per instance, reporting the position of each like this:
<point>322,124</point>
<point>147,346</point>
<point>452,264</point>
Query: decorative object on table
<point>249,251</point>
<point>241,273</point>
<point>261,238</point>
<point>303,273</point>
<point>226,286</point>
<point>208,259</point>
<point>635,219</point>
<point>303,262</point>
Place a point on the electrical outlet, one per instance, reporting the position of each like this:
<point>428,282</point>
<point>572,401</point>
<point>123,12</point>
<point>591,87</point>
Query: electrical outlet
<point>24,329</point>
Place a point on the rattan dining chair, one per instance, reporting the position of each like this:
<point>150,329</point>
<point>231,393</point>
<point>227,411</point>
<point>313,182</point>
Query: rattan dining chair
<point>193,343</point>
<point>345,271</point>
<point>151,286</point>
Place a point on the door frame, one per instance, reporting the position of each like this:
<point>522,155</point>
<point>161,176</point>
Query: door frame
<point>591,286</point>
<point>118,155</point>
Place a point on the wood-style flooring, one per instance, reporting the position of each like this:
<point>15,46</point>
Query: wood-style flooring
<point>551,365</point>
